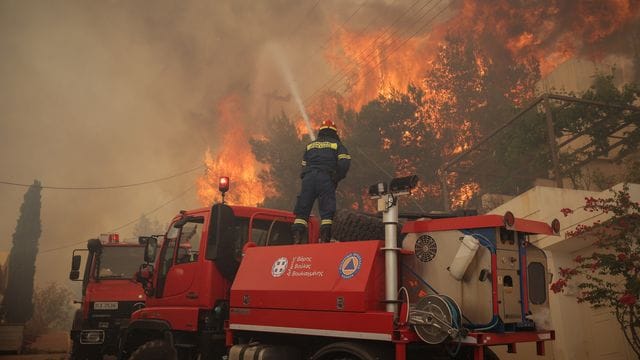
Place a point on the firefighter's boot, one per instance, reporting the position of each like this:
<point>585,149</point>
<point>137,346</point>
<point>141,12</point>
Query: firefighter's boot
<point>297,232</point>
<point>325,233</point>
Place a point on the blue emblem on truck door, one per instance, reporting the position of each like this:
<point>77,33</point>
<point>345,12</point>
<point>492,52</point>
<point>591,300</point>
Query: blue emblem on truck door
<point>350,265</point>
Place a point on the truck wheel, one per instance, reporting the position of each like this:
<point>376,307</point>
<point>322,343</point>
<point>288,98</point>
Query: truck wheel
<point>154,350</point>
<point>80,352</point>
<point>349,225</point>
<point>352,351</point>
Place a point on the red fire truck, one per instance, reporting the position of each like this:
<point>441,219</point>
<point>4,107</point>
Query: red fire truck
<point>446,287</point>
<point>109,294</point>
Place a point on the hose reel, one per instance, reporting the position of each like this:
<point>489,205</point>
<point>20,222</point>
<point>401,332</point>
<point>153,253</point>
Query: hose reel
<point>435,318</point>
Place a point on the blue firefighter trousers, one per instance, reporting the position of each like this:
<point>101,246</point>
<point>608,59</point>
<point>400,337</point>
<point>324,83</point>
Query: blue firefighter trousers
<point>316,184</point>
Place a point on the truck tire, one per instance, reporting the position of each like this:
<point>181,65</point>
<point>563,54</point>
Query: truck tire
<point>154,350</point>
<point>85,352</point>
<point>352,351</point>
<point>349,225</point>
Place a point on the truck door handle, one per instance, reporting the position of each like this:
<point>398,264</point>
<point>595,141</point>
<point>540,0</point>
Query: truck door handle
<point>192,295</point>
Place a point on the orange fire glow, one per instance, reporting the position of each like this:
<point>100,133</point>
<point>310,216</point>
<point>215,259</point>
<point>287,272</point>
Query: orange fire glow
<point>370,64</point>
<point>372,68</point>
<point>551,32</point>
<point>234,159</point>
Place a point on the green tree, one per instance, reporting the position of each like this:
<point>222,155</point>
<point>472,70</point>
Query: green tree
<point>281,150</point>
<point>610,276</point>
<point>147,227</point>
<point>52,309</point>
<point>520,153</point>
<point>599,122</point>
<point>18,300</point>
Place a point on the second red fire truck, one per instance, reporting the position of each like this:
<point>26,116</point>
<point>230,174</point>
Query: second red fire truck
<point>109,294</point>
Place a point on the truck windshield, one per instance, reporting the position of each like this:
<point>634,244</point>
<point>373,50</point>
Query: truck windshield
<point>120,262</point>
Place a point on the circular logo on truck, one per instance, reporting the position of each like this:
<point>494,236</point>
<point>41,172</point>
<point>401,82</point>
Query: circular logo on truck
<point>350,265</point>
<point>279,267</point>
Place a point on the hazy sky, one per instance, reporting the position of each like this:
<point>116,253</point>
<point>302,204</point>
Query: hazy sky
<point>113,92</point>
<point>99,93</point>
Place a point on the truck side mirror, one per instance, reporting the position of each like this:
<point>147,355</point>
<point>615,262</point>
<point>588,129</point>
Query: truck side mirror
<point>143,240</point>
<point>144,276</point>
<point>221,227</point>
<point>75,267</point>
<point>150,250</point>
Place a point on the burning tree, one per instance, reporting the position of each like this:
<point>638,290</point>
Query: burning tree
<point>232,158</point>
<point>610,276</point>
<point>387,138</point>
<point>469,91</point>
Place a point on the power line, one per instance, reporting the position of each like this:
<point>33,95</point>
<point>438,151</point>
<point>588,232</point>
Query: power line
<point>155,209</point>
<point>324,45</point>
<point>107,187</point>
<point>340,75</point>
<point>409,38</point>
<point>345,73</point>
<point>181,194</point>
<point>302,20</point>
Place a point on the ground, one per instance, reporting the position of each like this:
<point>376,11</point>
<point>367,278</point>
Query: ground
<point>51,346</point>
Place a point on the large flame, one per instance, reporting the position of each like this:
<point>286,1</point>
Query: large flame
<point>544,34</point>
<point>550,31</point>
<point>371,64</point>
<point>234,159</point>
<point>374,63</point>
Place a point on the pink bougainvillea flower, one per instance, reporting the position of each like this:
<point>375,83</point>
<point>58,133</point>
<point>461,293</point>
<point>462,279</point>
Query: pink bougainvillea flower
<point>628,299</point>
<point>566,211</point>
<point>557,286</point>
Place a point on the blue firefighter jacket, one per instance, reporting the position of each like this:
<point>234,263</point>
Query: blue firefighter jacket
<point>328,154</point>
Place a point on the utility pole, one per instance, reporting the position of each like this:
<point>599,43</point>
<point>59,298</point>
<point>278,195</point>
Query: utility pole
<point>273,96</point>
<point>553,146</point>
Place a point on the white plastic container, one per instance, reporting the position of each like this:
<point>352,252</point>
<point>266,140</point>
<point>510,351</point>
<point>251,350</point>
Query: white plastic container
<point>467,250</point>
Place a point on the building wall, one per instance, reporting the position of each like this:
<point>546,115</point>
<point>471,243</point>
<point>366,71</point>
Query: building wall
<point>576,75</point>
<point>581,332</point>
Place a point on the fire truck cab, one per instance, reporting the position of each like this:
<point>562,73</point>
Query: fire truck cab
<point>188,287</point>
<point>109,294</point>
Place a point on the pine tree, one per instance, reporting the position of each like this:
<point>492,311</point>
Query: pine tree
<point>17,304</point>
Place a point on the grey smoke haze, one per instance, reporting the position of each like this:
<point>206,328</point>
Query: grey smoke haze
<point>115,92</point>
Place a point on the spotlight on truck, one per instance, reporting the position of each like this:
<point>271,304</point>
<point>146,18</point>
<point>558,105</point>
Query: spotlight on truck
<point>379,189</point>
<point>403,184</point>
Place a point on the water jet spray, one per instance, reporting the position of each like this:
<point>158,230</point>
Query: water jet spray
<point>282,63</point>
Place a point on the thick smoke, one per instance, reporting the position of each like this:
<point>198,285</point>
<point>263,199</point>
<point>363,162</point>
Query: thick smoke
<point>112,92</point>
<point>115,92</point>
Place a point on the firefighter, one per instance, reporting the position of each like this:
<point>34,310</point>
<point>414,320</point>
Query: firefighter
<point>325,162</point>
